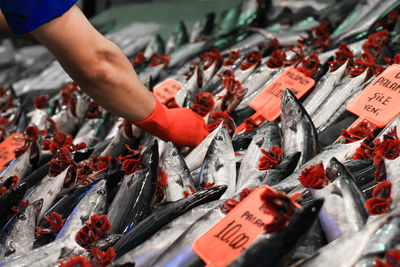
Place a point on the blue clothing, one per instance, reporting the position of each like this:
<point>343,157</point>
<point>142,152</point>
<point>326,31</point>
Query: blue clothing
<point>23,16</point>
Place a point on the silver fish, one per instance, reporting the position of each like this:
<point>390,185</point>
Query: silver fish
<point>343,209</point>
<point>190,87</point>
<point>18,235</point>
<point>195,158</point>
<point>178,174</point>
<point>298,130</point>
<point>323,89</point>
<point>219,167</point>
<point>145,253</point>
<point>181,249</point>
<point>268,135</point>
<point>48,189</point>
<point>392,168</point>
<point>341,152</point>
<point>348,88</point>
<point>66,121</point>
<point>346,250</point>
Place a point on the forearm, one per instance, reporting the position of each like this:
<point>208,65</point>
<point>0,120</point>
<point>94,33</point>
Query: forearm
<point>98,66</point>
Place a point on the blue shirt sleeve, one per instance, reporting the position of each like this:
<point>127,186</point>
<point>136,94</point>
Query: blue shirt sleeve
<point>23,16</point>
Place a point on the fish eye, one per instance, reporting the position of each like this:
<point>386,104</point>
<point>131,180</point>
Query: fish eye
<point>22,217</point>
<point>101,192</point>
<point>219,138</point>
<point>174,153</point>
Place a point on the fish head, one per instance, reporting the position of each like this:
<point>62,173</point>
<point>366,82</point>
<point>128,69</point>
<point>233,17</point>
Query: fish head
<point>336,169</point>
<point>289,163</point>
<point>81,104</point>
<point>171,156</point>
<point>220,142</point>
<point>291,110</point>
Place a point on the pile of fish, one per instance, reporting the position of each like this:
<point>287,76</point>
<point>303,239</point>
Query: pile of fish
<point>87,188</point>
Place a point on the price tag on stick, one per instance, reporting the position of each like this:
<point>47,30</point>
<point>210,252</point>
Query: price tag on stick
<point>166,89</point>
<point>268,102</point>
<point>223,243</point>
<point>379,102</point>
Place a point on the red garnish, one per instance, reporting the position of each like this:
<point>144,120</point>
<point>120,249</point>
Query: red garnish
<point>318,36</point>
<point>233,56</point>
<point>92,230</point>
<point>363,152</point>
<point>270,159</point>
<point>77,261</point>
<point>66,92</point>
<point>93,111</point>
<point>208,185</point>
<point>309,66</point>
<point>251,59</point>
<point>277,59</point>
<point>343,54</point>
<point>3,190</point>
<point>139,59</point>
<point>31,136</point>
<point>55,220</point>
<point>231,203</point>
<point>233,87</point>
<point>131,162</point>
<point>375,42</point>
<point>15,180</point>
<point>392,259</point>
<point>209,58</point>
<point>162,178</point>
<point>280,206</point>
<point>102,258</point>
<point>156,60</point>
<point>228,122</point>
<point>41,102</point>
<point>381,199</point>
<point>203,103</point>
<point>367,61</point>
<point>61,160</point>
<point>90,171</point>
<point>361,131</point>
<point>171,103</point>
<point>250,125</point>
<point>314,177</point>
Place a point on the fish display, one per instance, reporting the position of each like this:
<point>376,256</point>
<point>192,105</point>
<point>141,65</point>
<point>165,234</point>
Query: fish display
<point>80,186</point>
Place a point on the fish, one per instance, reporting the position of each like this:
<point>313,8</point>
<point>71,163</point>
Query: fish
<point>145,253</point>
<point>195,158</point>
<point>267,136</point>
<point>341,152</point>
<point>156,45</point>
<point>134,197</point>
<point>71,117</point>
<point>392,167</point>
<point>219,166</point>
<point>180,251</point>
<point>323,89</point>
<point>10,199</point>
<point>298,131</point>
<point>157,220</point>
<point>202,28</point>
<point>348,88</point>
<point>346,250</point>
<point>48,189</point>
<point>276,249</point>
<point>18,234</point>
<point>190,87</point>
<point>343,209</point>
<point>179,179</point>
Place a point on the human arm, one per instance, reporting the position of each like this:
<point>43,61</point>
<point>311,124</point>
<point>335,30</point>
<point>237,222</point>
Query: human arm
<point>103,72</point>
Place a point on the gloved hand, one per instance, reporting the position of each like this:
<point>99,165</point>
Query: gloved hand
<point>182,126</point>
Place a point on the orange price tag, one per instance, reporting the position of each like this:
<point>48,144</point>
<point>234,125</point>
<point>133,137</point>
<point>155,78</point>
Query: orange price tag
<point>166,90</point>
<point>223,243</point>
<point>379,101</point>
<point>268,102</point>
<point>8,146</point>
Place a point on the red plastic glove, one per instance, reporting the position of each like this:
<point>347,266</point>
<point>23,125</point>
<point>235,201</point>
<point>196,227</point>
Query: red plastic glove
<point>182,126</point>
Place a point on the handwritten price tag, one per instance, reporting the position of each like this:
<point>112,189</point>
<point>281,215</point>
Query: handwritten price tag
<point>8,146</point>
<point>166,90</point>
<point>268,102</point>
<point>235,232</point>
<point>379,102</point>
